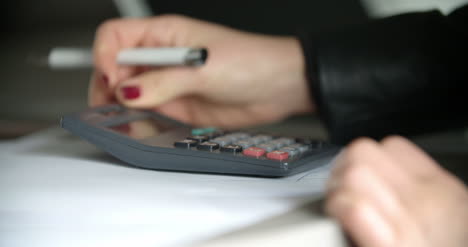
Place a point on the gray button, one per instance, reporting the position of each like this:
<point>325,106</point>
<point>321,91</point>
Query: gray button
<point>232,138</point>
<point>291,151</point>
<point>287,141</point>
<point>237,136</point>
<point>244,143</point>
<point>264,138</point>
<point>267,147</point>
<point>256,140</point>
<point>277,144</point>
<point>300,147</point>
<point>222,141</point>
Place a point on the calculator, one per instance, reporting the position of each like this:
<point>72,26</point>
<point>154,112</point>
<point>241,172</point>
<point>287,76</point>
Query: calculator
<point>147,139</point>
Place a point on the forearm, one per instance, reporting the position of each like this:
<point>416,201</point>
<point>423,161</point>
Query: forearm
<point>401,75</point>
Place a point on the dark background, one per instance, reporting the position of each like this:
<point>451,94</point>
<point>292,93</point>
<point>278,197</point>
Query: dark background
<point>33,97</point>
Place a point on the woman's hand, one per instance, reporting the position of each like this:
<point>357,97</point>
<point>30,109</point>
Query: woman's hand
<point>247,79</point>
<point>392,194</point>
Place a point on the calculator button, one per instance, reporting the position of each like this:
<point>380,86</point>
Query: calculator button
<point>267,147</point>
<point>244,143</point>
<point>208,146</point>
<point>203,131</point>
<point>290,150</point>
<point>222,141</point>
<point>187,143</point>
<point>311,142</point>
<point>264,138</point>
<point>276,143</point>
<point>230,137</point>
<point>199,138</point>
<point>236,136</point>
<point>300,147</point>
<point>254,152</point>
<point>278,155</point>
<point>260,139</point>
<point>231,149</point>
<point>255,140</point>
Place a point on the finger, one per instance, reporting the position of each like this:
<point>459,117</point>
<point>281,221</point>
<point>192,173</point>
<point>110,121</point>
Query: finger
<point>363,180</point>
<point>434,188</point>
<point>141,129</point>
<point>99,93</point>
<point>410,157</point>
<point>364,222</point>
<point>367,151</point>
<point>352,153</point>
<point>157,87</point>
<point>113,36</point>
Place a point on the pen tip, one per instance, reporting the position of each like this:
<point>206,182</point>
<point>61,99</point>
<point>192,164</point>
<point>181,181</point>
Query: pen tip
<point>204,54</point>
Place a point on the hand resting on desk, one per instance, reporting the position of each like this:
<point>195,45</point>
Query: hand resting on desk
<point>393,194</point>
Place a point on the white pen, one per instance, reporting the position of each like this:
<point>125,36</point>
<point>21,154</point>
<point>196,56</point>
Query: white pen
<point>72,58</point>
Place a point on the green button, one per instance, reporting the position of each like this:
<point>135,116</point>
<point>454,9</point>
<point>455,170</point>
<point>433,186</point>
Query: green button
<point>203,131</point>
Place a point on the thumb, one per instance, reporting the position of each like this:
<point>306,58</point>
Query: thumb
<point>159,86</point>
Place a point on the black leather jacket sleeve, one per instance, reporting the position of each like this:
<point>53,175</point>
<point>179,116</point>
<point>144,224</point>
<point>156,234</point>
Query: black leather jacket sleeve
<point>407,74</point>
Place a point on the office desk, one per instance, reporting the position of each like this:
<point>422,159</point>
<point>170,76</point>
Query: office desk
<point>302,226</point>
<point>58,190</point>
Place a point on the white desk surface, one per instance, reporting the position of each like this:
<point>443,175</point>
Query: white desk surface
<point>57,190</point>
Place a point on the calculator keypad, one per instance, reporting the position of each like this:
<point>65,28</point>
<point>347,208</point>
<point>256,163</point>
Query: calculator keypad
<point>231,149</point>
<point>290,150</point>
<point>208,146</point>
<point>278,155</point>
<point>245,143</point>
<point>222,141</point>
<point>267,147</point>
<point>254,152</point>
<point>187,143</point>
<point>257,146</point>
<point>199,138</point>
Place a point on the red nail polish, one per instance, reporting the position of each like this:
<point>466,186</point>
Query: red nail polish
<point>131,92</point>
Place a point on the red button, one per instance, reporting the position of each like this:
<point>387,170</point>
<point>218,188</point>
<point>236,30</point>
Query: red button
<point>254,152</point>
<point>277,155</point>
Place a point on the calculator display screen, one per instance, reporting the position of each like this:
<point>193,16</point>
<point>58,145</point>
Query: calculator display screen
<point>143,128</point>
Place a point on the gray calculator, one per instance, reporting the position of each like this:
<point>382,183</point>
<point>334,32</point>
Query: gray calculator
<point>147,139</point>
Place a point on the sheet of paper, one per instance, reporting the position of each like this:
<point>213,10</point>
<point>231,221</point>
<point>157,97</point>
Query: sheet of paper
<point>57,190</point>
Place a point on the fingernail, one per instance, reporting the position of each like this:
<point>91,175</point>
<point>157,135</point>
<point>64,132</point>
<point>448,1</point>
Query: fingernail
<point>131,92</point>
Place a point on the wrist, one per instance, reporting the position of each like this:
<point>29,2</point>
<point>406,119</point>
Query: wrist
<point>301,100</point>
